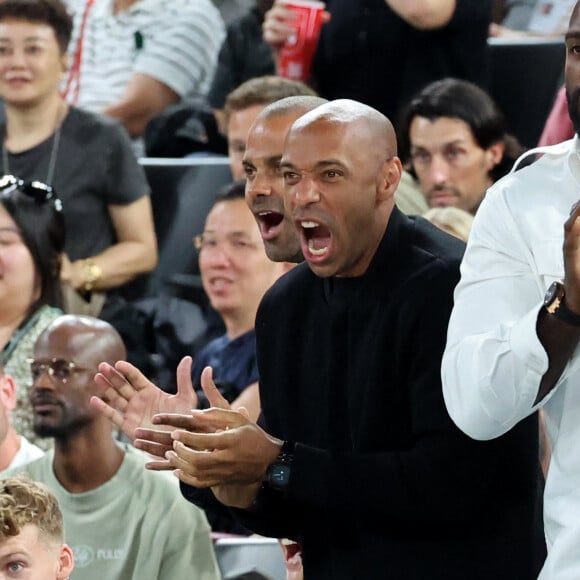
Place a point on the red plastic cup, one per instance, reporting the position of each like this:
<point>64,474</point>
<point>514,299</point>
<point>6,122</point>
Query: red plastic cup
<point>296,55</point>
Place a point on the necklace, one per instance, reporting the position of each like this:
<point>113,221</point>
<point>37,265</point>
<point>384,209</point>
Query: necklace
<point>53,151</point>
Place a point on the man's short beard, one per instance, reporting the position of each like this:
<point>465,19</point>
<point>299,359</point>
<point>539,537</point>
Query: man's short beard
<point>63,430</point>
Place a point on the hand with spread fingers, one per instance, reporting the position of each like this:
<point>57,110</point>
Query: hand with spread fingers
<point>130,400</point>
<point>217,447</point>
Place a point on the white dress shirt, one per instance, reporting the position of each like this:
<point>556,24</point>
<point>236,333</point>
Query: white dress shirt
<point>494,361</point>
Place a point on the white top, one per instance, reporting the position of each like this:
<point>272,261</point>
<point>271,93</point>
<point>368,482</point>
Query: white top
<point>28,452</point>
<point>174,41</point>
<point>494,361</point>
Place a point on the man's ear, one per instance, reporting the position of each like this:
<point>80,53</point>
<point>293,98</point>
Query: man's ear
<point>65,563</point>
<point>8,393</point>
<point>389,178</point>
<point>494,155</point>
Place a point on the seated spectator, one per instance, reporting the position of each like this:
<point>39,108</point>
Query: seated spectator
<point>452,220</point>
<point>164,51</point>
<point>86,158</point>
<point>236,272</point>
<point>139,525</point>
<point>421,41</point>
<point>31,245</point>
<point>15,450</point>
<point>243,56</point>
<point>454,140</point>
<point>31,532</point>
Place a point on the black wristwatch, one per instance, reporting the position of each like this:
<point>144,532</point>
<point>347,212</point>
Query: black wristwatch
<point>278,473</point>
<point>555,304</point>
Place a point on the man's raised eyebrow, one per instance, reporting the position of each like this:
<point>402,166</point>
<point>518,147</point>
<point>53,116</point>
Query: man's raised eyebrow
<point>453,142</point>
<point>572,35</point>
<point>274,160</point>
<point>286,164</point>
<point>319,165</point>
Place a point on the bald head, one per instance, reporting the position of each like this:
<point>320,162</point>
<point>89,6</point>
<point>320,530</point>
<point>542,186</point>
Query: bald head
<point>66,357</point>
<point>290,106</point>
<point>96,339</point>
<point>362,121</point>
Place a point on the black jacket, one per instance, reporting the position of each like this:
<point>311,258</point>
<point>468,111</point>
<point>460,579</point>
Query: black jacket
<point>383,484</point>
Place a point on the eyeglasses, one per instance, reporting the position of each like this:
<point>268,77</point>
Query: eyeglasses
<point>36,190</point>
<point>58,369</point>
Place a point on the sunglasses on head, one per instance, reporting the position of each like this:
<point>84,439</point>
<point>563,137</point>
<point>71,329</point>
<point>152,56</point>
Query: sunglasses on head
<point>36,190</point>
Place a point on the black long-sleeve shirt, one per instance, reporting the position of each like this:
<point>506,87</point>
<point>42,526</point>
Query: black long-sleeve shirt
<point>383,484</point>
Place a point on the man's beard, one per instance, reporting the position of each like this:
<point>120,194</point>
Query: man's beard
<point>62,430</point>
<point>574,108</point>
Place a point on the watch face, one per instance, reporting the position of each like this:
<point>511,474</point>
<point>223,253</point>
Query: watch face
<point>552,293</point>
<point>279,475</point>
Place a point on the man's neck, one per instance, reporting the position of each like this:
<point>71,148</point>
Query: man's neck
<point>238,324</point>
<point>9,448</point>
<point>86,460</point>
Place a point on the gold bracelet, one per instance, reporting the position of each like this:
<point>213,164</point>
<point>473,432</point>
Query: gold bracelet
<point>92,272</point>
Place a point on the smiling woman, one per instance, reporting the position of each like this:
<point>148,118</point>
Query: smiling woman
<point>86,157</point>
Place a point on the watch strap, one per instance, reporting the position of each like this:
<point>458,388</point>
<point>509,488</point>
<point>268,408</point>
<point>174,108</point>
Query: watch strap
<point>278,472</point>
<point>555,304</point>
<point>566,315</point>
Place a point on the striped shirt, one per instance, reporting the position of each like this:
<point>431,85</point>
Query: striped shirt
<point>174,41</point>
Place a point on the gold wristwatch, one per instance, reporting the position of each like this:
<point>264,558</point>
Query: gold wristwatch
<point>92,272</point>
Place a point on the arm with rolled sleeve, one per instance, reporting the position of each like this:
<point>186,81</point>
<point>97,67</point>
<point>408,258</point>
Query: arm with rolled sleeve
<point>494,360</point>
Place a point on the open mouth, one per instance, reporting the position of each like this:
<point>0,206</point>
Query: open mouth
<point>316,237</point>
<point>269,222</point>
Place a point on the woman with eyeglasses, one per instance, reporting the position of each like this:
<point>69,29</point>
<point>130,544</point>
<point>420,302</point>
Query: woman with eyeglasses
<point>86,157</point>
<point>32,242</point>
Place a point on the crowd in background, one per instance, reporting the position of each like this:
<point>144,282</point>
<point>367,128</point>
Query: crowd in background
<point>92,88</point>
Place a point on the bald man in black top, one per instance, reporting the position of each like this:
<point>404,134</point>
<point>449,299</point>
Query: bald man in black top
<point>358,459</point>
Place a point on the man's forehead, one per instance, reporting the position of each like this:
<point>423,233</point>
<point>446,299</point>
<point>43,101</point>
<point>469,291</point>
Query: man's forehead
<point>275,126</point>
<point>63,342</point>
<point>441,130</point>
<point>320,136</point>
<point>266,141</point>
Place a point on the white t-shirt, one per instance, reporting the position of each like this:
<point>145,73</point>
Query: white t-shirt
<point>28,452</point>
